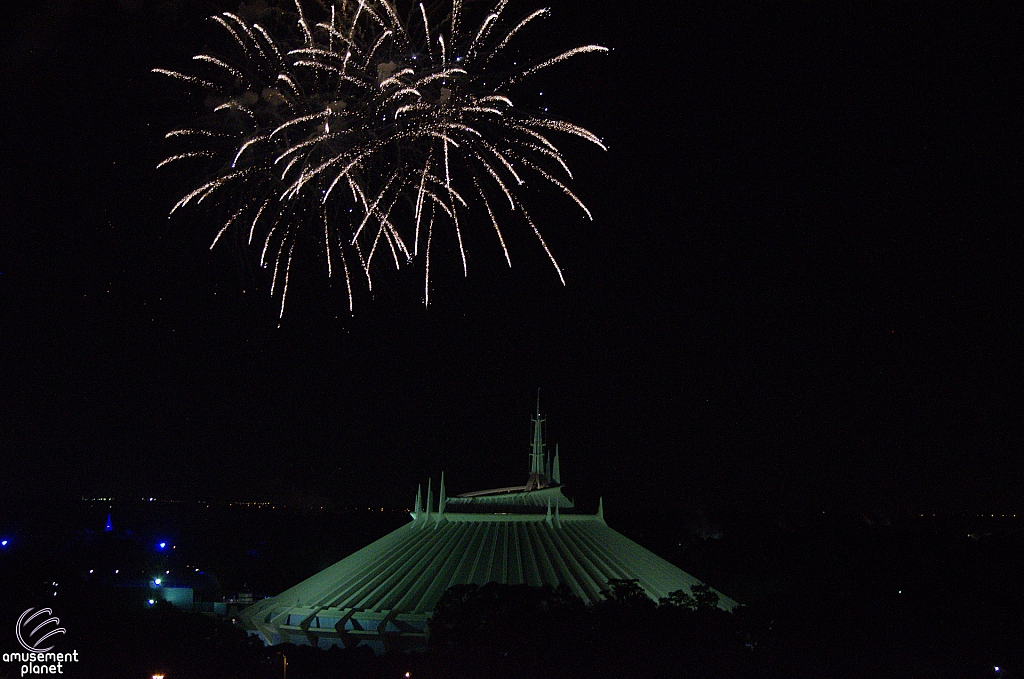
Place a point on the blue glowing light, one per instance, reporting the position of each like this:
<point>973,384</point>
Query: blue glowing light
<point>162,545</point>
<point>3,543</point>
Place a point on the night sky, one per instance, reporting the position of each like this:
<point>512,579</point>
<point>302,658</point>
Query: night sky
<point>802,287</point>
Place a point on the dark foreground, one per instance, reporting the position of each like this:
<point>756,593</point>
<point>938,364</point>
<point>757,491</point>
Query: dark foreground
<point>832,596</point>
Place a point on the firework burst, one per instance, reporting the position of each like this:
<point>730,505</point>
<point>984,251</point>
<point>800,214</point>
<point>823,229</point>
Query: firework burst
<point>365,130</point>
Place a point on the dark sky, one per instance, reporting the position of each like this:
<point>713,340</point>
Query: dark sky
<point>802,286</point>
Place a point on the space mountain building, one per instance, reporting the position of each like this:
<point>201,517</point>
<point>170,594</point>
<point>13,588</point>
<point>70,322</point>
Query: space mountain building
<point>383,594</point>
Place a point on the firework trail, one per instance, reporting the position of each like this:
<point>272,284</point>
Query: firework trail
<point>363,130</point>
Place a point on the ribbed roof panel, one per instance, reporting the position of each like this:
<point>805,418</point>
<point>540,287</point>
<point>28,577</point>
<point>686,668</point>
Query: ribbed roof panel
<point>408,570</point>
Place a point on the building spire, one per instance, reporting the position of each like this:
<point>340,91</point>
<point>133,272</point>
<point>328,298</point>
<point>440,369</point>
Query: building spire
<point>538,473</point>
<point>537,445</point>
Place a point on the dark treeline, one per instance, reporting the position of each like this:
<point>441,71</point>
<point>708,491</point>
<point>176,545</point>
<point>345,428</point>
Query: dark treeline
<point>518,631</point>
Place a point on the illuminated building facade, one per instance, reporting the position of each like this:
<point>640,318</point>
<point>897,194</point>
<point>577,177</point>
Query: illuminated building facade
<point>383,594</point>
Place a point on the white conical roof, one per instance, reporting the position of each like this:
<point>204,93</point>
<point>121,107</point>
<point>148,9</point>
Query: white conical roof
<point>385,591</point>
<point>383,594</point>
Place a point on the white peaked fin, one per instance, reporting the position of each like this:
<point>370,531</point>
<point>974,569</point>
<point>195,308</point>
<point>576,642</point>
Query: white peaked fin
<point>418,507</point>
<point>443,499</point>
<point>600,509</point>
<point>548,517</point>
<point>556,472</point>
<point>430,497</point>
